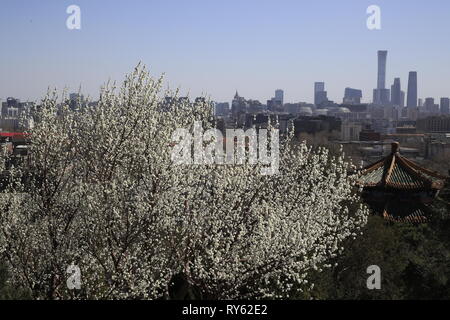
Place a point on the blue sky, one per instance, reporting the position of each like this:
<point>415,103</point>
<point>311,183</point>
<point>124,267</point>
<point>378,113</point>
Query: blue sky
<point>216,47</point>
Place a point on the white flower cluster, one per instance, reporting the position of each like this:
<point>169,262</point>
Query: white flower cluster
<point>99,190</point>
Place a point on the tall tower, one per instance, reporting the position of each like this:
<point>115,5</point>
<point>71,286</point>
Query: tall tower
<point>382,57</point>
<point>411,101</point>
<point>381,95</point>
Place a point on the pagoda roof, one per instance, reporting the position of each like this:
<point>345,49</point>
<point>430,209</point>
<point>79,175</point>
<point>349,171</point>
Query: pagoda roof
<point>395,210</point>
<point>397,172</point>
<point>405,212</point>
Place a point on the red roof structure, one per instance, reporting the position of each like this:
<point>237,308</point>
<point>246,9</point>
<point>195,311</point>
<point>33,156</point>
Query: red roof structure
<point>13,134</point>
<point>398,188</point>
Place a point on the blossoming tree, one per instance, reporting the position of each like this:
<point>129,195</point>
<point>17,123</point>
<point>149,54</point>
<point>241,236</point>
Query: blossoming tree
<point>99,190</point>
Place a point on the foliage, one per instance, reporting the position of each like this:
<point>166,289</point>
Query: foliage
<point>8,291</point>
<point>414,261</point>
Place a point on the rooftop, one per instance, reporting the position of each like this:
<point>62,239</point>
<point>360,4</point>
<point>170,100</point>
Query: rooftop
<point>397,172</point>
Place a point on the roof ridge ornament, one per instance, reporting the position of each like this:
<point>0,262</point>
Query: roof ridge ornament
<point>395,147</point>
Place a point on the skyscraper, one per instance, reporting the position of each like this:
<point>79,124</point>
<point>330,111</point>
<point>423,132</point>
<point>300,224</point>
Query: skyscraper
<point>381,94</point>
<point>279,95</point>
<point>319,86</point>
<point>445,106</point>
<point>396,93</point>
<point>320,94</point>
<point>411,100</point>
<point>321,97</point>
<point>382,57</point>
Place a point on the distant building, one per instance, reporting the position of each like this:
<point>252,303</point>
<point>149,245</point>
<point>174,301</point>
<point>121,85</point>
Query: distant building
<point>320,95</point>
<point>382,57</point>
<point>368,134</point>
<point>279,96</point>
<point>438,146</point>
<point>274,105</point>
<point>381,95</point>
<point>445,106</point>
<point>292,108</point>
<point>222,109</point>
<point>319,86</point>
<point>412,90</point>
<point>434,124</point>
<point>254,106</point>
<point>313,125</point>
<point>430,107</point>
<point>321,98</point>
<point>10,106</point>
<point>410,113</point>
<point>352,96</point>
<point>238,105</point>
<point>396,93</point>
<point>11,110</point>
<point>350,131</point>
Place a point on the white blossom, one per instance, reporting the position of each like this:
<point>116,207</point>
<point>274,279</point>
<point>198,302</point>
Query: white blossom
<point>101,190</point>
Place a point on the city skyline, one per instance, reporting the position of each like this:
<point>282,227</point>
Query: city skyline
<point>231,49</point>
<point>381,95</point>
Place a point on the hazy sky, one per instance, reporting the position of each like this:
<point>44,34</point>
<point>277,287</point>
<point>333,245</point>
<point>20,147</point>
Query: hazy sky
<point>216,47</point>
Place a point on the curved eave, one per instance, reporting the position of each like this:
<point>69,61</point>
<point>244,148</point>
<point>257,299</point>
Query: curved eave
<point>424,177</point>
<point>392,187</point>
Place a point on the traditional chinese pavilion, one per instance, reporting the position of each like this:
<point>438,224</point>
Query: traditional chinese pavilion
<point>399,189</point>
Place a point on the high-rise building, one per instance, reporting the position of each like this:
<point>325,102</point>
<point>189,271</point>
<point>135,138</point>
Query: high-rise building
<point>430,106</point>
<point>381,95</point>
<point>319,86</point>
<point>411,101</point>
<point>396,93</point>
<point>445,105</point>
<point>279,95</point>
<point>320,95</point>
<point>382,57</point>
<point>352,96</point>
